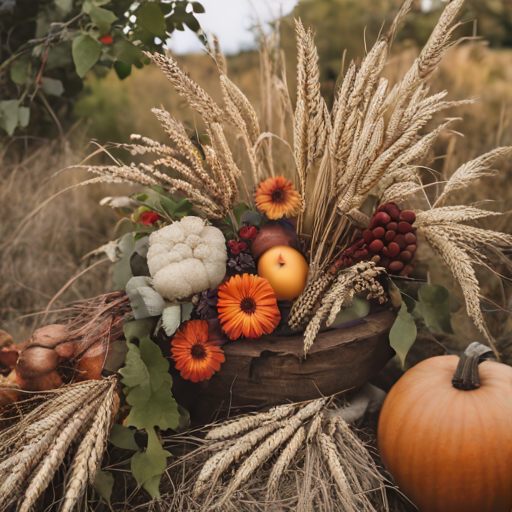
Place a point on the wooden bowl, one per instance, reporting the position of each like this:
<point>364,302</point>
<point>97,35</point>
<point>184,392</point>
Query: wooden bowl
<point>271,370</point>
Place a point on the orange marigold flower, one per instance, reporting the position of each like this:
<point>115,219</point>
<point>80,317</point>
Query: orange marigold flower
<point>277,197</point>
<point>196,357</point>
<point>247,306</point>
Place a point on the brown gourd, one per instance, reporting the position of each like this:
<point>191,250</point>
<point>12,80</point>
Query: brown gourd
<point>445,433</point>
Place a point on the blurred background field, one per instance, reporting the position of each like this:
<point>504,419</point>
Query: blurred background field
<point>40,255</point>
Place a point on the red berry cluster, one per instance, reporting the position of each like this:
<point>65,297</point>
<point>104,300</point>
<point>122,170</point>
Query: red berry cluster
<point>391,236</point>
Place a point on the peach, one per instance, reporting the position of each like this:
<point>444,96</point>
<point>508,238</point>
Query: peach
<point>285,269</point>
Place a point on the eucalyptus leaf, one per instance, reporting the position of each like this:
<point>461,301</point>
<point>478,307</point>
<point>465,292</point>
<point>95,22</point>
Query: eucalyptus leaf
<point>9,115</point>
<point>171,319</point>
<point>144,300</point>
<point>19,71</point>
<point>122,269</point>
<point>104,484</point>
<point>86,52</point>
<point>197,7</point>
<point>23,116</point>
<point>52,86</point>
<point>186,311</point>
<point>138,329</point>
<point>403,333</point>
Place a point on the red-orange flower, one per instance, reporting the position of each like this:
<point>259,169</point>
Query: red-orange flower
<point>247,306</point>
<point>277,197</point>
<point>196,357</point>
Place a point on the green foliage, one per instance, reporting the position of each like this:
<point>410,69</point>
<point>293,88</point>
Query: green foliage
<point>434,302</point>
<point>403,333</point>
<point>71,37</point>
<point>148,392</point>
<point>123,437</point>
<point>104,484</point>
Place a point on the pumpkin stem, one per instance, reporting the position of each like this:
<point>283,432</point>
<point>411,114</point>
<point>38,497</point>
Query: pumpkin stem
<point>466,375</point>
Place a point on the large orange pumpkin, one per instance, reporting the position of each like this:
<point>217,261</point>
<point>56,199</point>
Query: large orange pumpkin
<point>448,444</point>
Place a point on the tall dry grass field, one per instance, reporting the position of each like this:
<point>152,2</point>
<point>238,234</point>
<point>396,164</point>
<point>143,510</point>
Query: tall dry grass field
<point>39,255</point>
<point>39,259</point>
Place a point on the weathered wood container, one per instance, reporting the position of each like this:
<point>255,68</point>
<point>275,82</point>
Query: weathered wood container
<point>272,370</point>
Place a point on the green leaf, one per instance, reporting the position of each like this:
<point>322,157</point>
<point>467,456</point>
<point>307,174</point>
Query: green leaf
<point>171,319</point>
<point>9,115</point>
<point>152,402</point>
<point>86,52</point>
<point>123,437</point>
<point>144,300</point>
<point>103,484</point>
<point>123,70</point>
<point>151,18</point>
<point>135,373</point>
<point>197,8</point>
<point>127,52</point>
<point>183,208</point>
<point>238,210</point>
<point>122,270</point>
<point>52,86</point>
<point>147,466</point>
<point>403,333</point>
<point>359,309</point>
<point>103,18</point>
<point>64,6</point>
<point>19,71</point>
<point>23,116</point>
<point>435,305</point>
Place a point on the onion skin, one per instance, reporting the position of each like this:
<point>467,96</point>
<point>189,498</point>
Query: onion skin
<point>36,362</point>
<point>450,450</point>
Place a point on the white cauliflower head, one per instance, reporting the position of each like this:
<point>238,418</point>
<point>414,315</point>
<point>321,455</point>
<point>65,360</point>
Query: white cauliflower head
<point>186,257</point>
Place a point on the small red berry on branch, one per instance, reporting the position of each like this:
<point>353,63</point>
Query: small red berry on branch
<point>390,236</point>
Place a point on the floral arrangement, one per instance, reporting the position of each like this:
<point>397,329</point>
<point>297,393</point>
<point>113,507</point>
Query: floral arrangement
<point>279,223</point>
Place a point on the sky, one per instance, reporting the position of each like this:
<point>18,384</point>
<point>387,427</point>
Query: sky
<point>231,22</point>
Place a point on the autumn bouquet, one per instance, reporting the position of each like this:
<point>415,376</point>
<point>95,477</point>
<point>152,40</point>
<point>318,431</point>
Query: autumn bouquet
<point>278,223</point>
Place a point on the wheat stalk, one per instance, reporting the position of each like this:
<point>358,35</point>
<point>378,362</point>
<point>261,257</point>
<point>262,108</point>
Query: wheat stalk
<point>472,171</point>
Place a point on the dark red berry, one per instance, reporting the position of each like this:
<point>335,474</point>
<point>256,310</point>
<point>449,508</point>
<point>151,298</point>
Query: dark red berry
<point>400,240</point>
<point>405,256</point>
<point>381,208</point>
<point>394,213</point>
<point>385,252</point>
<point>396,266</point>
<point>408,216</point>
<point>411,248</point>
<point>404,227</point>
<point>389,206</point>
<point>393,249</point>
<point>384,262</point>
<point>407,270</point>
<point>381,219</point>
<point>410,238</point>
<point>368,236</point>
<point>392,226</point>
<point>389,236</point>
<point>378,232</point>
<point>376,246</point>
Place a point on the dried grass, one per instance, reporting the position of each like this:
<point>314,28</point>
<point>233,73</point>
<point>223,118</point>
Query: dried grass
<point>295,474</point>
<point>34,446</point>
